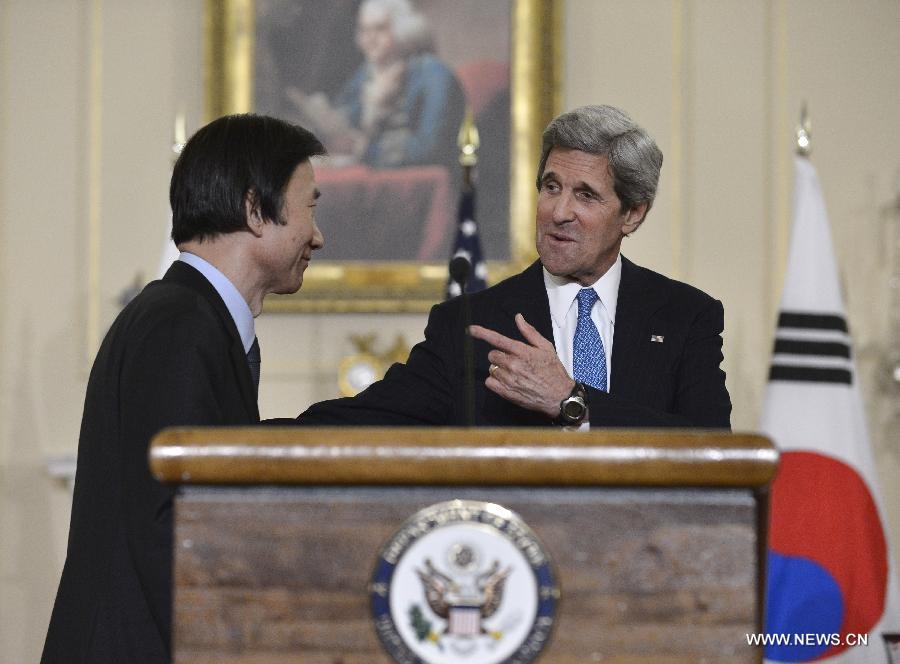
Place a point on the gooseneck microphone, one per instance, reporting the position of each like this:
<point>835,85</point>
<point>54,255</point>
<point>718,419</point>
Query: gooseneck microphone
<point>459,272</point>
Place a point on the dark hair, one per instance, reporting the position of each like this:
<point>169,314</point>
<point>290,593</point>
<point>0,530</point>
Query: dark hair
<point>225,161</point>
<point>634,158</point>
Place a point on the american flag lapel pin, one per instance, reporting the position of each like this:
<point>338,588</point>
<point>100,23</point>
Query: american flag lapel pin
<point>657,338</point>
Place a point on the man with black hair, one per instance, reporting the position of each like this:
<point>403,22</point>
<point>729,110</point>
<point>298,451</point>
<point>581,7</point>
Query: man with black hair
<point>183,352</point>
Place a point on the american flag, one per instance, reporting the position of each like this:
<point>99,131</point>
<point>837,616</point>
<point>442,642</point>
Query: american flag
<point>468,244</point>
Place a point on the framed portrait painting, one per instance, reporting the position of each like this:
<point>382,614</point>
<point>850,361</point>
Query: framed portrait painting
<point>386,85</point>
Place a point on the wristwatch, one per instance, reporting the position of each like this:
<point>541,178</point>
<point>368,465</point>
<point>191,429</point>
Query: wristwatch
<point>573,409</point>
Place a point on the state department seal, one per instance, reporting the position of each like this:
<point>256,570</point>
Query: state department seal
<point>464,581</point>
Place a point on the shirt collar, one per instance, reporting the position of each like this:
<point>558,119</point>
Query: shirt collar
<point>561,292</point>
<point>234,301</point>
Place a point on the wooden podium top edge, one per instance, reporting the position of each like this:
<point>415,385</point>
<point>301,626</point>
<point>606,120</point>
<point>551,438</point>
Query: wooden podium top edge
<point>461,456</point>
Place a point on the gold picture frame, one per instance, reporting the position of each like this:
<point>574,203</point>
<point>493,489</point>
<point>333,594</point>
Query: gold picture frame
<point>393,287</point>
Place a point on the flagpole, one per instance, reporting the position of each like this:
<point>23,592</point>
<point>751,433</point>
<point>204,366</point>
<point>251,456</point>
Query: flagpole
<point>468,142</point>
<point>467,243</point>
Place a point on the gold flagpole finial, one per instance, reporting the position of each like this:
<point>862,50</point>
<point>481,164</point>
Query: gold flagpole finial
<point>468,141</point>
<point>180,135</point>
<point>804,132</point>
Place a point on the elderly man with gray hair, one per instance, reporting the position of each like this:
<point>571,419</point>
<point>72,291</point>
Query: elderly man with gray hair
<point>581,338</point>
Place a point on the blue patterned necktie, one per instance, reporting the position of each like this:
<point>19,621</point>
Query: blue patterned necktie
<point>588,355</point>
<point>254,361</point>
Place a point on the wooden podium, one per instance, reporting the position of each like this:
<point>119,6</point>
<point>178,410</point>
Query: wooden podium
<point>657,539</point>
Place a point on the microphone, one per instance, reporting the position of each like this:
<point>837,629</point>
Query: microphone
<point>459,272</point>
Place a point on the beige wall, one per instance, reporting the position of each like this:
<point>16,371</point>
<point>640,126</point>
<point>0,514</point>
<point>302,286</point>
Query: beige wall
<point>89,92</point>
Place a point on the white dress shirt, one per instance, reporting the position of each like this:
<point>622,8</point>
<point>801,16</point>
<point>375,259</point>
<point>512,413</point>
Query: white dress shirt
<point>563,294</point>
<point>234,301</point>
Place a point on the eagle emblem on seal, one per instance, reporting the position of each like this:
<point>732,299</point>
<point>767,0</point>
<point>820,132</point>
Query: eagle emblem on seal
<point>466,600</point>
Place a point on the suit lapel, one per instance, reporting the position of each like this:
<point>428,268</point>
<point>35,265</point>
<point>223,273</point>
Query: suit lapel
<point>636,304</point>
<point>245,380</point>
<point>529,298</point>
<point>184,274</point>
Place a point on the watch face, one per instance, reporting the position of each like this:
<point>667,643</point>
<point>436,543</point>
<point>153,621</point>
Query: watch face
<point>573,408</point>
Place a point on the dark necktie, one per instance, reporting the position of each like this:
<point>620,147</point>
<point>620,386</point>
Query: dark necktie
<point>253,361</point>
<point>588,355</point>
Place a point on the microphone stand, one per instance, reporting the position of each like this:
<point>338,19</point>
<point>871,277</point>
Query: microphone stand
<point>459,272</point>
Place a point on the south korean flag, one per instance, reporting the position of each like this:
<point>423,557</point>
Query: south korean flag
<point>829,565</point>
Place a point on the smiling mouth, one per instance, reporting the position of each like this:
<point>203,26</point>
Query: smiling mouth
<point>560,238</point>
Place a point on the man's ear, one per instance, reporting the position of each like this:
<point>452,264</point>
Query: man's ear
<point>634,218</point>
<point>252,213</point>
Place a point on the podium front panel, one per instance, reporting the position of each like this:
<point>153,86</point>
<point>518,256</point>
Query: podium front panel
<point>278,574</point>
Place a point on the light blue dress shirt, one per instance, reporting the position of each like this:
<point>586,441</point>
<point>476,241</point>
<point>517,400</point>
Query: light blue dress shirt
<point>234,301</point>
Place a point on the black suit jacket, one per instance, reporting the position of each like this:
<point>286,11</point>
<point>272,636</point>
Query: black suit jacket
<point>172,357</point>
<point>676,383</point>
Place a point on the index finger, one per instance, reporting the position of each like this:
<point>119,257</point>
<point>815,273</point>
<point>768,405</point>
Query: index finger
<point>496,339</point>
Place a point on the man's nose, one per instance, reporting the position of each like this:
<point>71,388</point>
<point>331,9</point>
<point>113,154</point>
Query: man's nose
<point>318,240</point>
<point>563,209</point>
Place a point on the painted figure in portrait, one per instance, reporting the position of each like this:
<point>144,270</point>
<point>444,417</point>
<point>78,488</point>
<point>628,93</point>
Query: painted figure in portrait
<point>386,84</point>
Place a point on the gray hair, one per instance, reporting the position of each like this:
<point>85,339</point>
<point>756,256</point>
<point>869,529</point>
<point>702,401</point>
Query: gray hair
<point>605,131</point>
<point>410,27</point>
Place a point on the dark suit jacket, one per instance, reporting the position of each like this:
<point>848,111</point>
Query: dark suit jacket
<point>172,357</point>
<point>676,383</point>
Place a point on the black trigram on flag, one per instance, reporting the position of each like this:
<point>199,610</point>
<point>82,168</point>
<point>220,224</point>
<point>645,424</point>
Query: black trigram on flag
<point>811,348</point>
